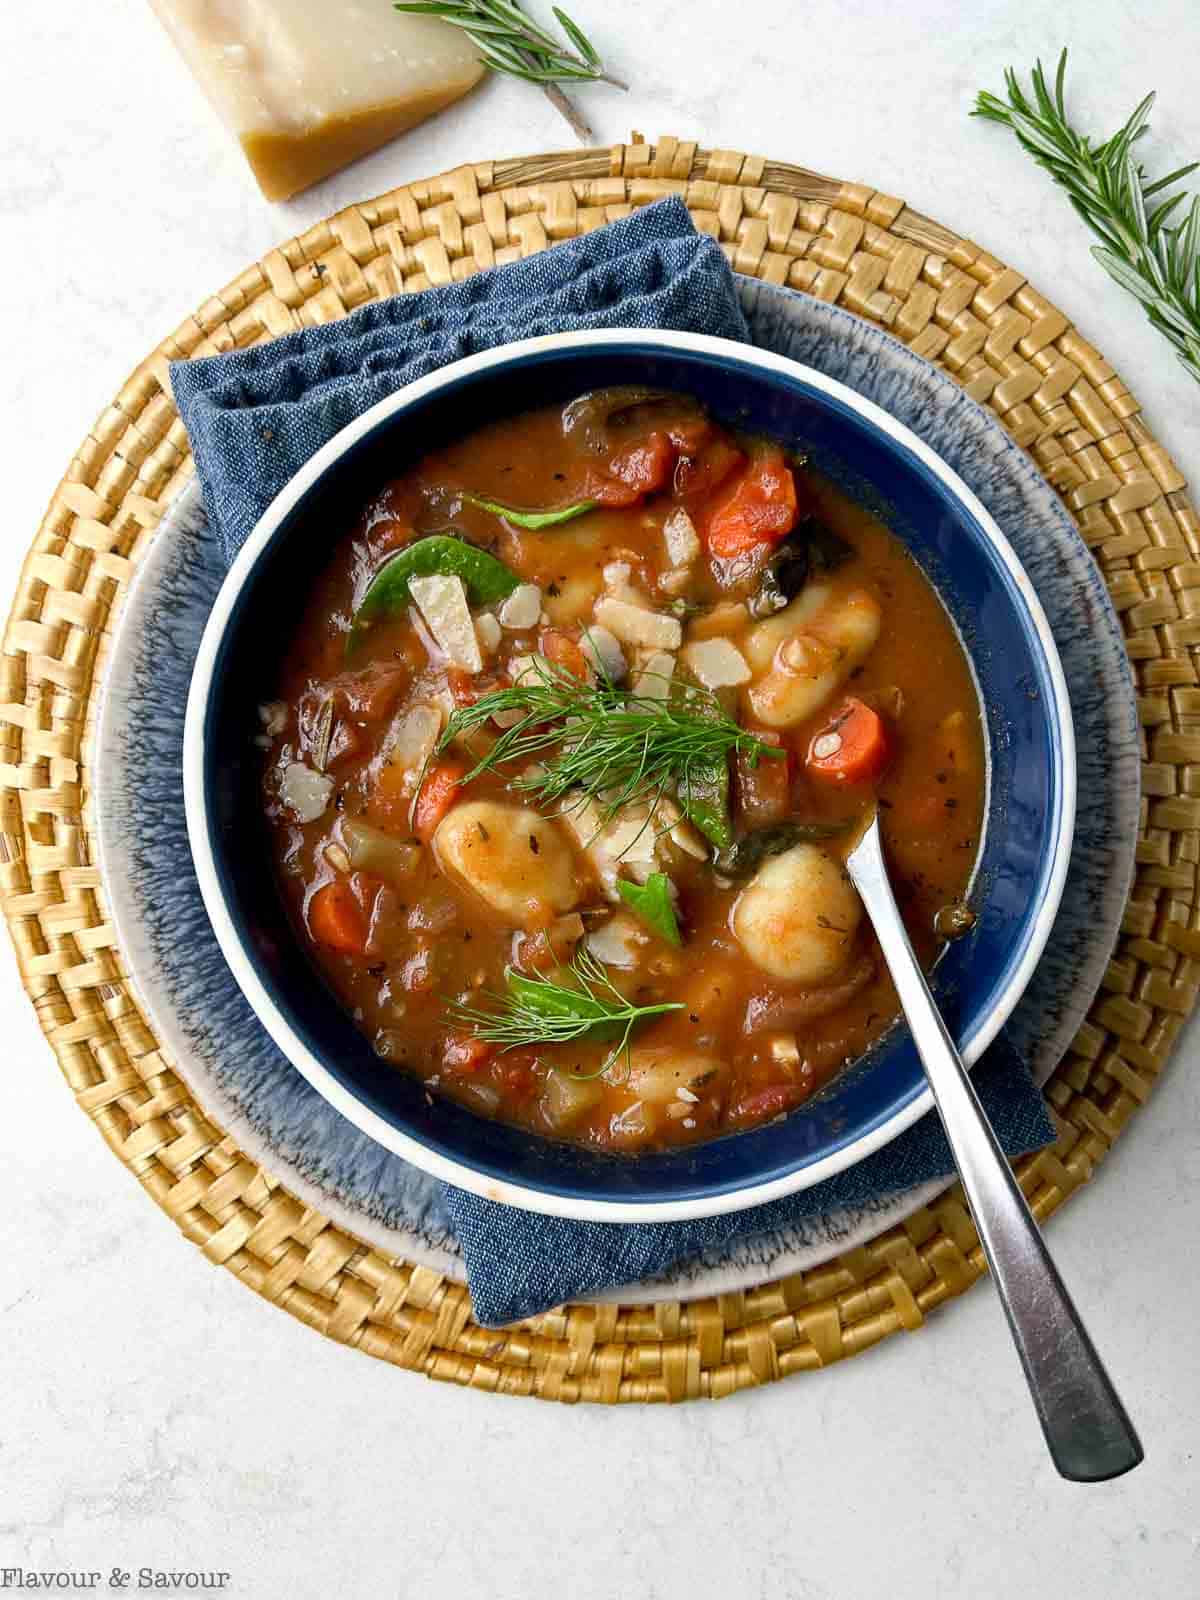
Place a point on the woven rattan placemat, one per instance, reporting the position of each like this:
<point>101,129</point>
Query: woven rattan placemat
<point>950,302</point>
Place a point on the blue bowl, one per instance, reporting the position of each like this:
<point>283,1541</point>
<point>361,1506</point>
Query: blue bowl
<point>1031,781</point>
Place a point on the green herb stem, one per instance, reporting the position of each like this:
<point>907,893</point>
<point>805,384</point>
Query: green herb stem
<point>532,519</point>
<point>512,43</point>
<point>541,1011</point>
<point>595,741</point>
<point>1156,261</point>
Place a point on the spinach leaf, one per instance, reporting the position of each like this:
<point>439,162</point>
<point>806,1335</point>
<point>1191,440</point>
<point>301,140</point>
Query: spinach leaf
<point>743,859</point>
<point>485,579</point>
<point>652,902</point>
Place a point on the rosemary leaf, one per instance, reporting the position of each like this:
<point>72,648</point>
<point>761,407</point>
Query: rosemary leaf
<point>1153,258</point>
<point>511,42</point>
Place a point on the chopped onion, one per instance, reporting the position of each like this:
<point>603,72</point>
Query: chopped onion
<point>565,1099</point>
<point>681,538</point>
<point>382,854</point>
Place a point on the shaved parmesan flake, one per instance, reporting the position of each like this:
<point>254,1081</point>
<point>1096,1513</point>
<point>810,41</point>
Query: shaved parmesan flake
<point>716,663</point>
<point>604,652</point>
<point>632,625</point>
<point>442,602</point>
<point>653,681</point>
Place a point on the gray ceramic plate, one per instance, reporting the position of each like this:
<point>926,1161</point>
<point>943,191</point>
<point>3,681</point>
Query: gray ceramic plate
<point>234,1069</point>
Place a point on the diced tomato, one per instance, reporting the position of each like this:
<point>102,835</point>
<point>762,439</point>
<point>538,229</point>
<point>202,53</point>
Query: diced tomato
<point>759,509</point>
<point>853,747</point>
<point>762,1104</point>
<point>465,1054</point>
<point>467,687</point>
<point>516,1075</point>
<point>564,651</point>
<point>640,470</point>
<point>440,789</point>
<point>702,473</point>
<point>337,920</point>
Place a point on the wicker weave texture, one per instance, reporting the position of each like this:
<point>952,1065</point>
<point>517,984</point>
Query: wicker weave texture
<point>950,302</point>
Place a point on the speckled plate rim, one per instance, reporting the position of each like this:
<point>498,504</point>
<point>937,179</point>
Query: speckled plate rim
<point>838,1231</point>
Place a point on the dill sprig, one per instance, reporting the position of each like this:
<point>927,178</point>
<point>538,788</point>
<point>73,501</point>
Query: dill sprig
<point>595,741</point>
<point>511,42</point>
<point>1156,263</point>
<point>541,1011</point>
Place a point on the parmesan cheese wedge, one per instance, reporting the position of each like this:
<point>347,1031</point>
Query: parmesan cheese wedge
<point>308,86</point>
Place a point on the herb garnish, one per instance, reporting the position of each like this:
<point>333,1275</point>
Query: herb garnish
<point>609,745</point>
<point>510,42</point>
<point>532,519</point>
<point>1157,264</point>
<point>540,1011</point>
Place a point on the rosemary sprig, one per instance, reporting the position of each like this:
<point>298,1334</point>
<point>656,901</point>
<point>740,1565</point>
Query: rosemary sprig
<point>511,42</point>
<point>539,1011</point>
<point>1157,263</point>
<point>598,742</point>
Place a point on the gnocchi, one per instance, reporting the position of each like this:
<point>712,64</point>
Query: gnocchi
<point>798,917</point>
<point>514,859</point>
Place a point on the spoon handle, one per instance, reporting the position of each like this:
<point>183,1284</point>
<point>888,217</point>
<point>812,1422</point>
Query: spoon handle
<point>1088,1432</point>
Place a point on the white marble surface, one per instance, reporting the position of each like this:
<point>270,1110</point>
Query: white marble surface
<point>156,1413</point>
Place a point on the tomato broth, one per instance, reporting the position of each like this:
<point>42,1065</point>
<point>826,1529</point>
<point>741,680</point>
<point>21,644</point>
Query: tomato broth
<point>566,755</point>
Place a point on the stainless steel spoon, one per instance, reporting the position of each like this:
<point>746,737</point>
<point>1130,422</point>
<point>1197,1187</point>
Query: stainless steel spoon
<point>1086,1427</point>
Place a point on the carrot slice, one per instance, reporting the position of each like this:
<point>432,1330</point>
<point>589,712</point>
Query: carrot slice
<point>441,788</point>
<point>564,652</point>
<point>337,920</point>
<point>852,748</point>
<point>759,509</point>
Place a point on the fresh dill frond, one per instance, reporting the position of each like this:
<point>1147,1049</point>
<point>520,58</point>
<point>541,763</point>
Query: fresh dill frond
<point>1157,263</point>
<point>596,741</point>
<point>541,1011</point>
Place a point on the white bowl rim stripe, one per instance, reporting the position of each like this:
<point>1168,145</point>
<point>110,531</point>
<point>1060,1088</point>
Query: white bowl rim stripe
<point>377,1127</point>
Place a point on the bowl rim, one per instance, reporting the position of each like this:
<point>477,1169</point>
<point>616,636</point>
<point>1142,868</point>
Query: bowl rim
<point>459,1173</point>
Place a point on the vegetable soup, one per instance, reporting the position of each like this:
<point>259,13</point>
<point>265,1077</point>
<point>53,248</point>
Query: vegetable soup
<point>566,756</point>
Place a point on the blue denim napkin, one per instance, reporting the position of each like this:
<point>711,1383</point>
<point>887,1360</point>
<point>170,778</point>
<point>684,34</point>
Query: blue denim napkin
<point>254,417</point>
